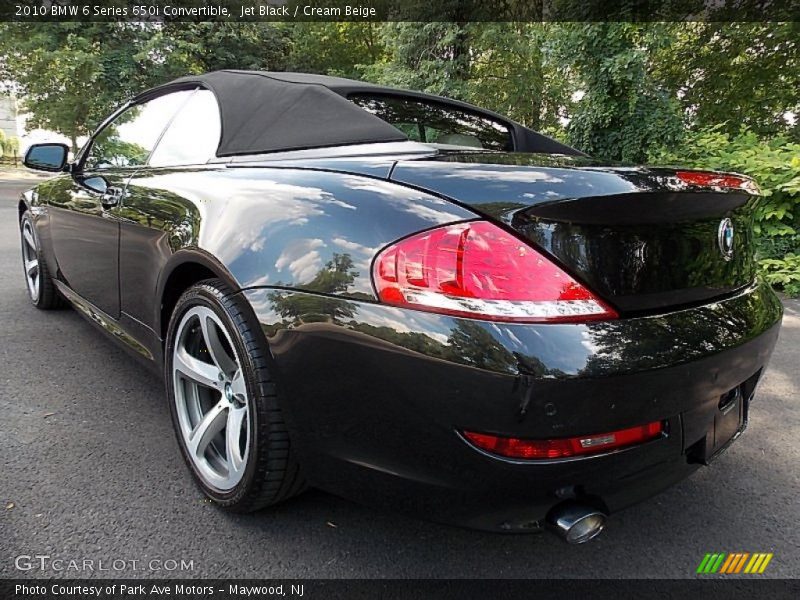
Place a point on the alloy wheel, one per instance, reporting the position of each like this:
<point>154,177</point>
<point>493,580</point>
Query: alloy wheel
<point>30,258</point>
<point>211,398</point>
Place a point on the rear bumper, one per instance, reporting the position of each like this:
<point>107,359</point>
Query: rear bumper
<point>375,396</point>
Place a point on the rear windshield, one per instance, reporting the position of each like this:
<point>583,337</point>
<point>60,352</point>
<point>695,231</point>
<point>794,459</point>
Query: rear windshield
<point>436,123</point>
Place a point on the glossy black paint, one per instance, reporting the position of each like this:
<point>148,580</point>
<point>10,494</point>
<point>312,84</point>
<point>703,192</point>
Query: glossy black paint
<point>276,227</point>
<point>382,393</point>
<point>639,237</point>
<point>376,395</point>
<point>84,236</point>
<point>251,226</point>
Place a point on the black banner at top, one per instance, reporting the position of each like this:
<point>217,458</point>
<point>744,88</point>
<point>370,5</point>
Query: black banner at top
<point>399,10</point>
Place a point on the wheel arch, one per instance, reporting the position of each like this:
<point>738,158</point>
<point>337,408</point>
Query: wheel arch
<point>185,268</point>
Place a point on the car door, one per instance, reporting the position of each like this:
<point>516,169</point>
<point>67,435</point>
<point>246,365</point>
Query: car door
<point>162,208</point>
<point>84,209</point>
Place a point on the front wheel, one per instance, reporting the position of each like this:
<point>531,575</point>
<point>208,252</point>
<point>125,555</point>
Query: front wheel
<point>223,402</point>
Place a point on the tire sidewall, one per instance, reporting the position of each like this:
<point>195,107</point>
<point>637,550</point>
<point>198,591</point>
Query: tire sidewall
<point>209,296</point>
<point>26,218</point>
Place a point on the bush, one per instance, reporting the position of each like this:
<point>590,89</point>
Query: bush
<point>9,149</point>
<point>775,164</point>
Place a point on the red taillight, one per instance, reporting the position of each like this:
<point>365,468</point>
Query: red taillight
<point>719,180</point>
<point>478,270</point>
<point>565,447</point>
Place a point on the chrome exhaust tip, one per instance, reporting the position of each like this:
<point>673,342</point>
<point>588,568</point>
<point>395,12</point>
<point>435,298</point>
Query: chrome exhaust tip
<point>574,523</point>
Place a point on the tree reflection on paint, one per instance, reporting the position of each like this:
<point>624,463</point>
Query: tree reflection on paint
<point>335,277</point>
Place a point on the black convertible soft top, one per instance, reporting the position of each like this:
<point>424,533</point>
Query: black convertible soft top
<point>270,111</point>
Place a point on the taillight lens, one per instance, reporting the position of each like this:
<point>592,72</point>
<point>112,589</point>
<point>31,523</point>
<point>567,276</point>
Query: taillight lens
<point>718,180</point>
<point>476,269</point>
<point>565,447</point>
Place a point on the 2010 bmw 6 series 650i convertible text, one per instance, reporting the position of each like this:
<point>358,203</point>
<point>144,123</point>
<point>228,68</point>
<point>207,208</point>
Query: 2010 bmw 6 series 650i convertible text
<point>407,300</point>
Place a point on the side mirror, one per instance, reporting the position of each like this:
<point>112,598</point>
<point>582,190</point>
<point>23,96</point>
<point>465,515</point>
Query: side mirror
<point>46,157</point>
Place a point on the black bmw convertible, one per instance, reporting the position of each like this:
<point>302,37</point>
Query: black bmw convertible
<point>407,300</point>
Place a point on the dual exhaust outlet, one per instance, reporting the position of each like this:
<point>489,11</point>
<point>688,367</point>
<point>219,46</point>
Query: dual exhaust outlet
<point>575,523</point>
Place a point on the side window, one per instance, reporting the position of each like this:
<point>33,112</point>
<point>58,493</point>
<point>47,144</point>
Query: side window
<point>438,123</point>
<point>193,136</point>
<point>130,138</point>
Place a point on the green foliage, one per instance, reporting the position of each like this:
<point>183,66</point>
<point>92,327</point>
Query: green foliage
<point>623,111</point>
<point>432,57</point>
<point>734,74</point>
<point>775,165</point>
<point>175,49</point>
<point>512,73</point>
<point>70,75</point>
<point>344,49</point>
<point>9,147</point>
<point>501,66</point>
<point>783,272</point>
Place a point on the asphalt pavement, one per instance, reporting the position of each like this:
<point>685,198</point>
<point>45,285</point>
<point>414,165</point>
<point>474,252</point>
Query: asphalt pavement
<point>90,471</point>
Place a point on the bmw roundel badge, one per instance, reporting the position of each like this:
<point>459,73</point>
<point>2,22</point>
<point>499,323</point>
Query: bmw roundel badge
<point>725,238</point>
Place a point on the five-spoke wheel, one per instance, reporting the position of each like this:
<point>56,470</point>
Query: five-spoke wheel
<point>30,259</point>
<point>211,398</point>
<point>223,401</point>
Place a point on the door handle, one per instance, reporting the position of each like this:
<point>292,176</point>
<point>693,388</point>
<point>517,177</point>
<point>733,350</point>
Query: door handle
<point>111,197</point>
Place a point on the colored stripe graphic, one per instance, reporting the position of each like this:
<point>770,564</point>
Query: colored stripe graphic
<point>756,558</point>
<point>718,563</point>
<point>722,563</point>
<point>704,563</point>
<point>764,564</point>
<point>741,562</point>
<point>730,561</point>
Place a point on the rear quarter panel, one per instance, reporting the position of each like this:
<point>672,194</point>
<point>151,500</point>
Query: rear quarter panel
<point>265,227</point>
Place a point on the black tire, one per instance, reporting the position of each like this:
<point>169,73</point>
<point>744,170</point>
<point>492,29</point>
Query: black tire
<point>47,296</point>
<point>272,473</point>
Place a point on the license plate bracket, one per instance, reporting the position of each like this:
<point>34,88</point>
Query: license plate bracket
<point>730,420</point>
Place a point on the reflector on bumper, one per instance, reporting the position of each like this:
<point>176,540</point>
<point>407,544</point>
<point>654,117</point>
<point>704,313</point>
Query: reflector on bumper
<point>565,447</point>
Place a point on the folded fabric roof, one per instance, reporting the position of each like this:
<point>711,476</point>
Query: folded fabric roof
<point>262,113</point>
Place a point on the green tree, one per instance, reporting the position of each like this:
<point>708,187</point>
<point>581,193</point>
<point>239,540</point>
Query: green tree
<point>70,75</point>
<point>734,74</point>
<point>512,73</point>
<point>174,49</point>
<point>431,57</point>
<point>344,49</point>
<point>623,110</point>
<point>505,67</point>
<point>11,148</point>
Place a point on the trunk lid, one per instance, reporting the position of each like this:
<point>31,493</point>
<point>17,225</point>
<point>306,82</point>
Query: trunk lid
<point>641,238</point>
